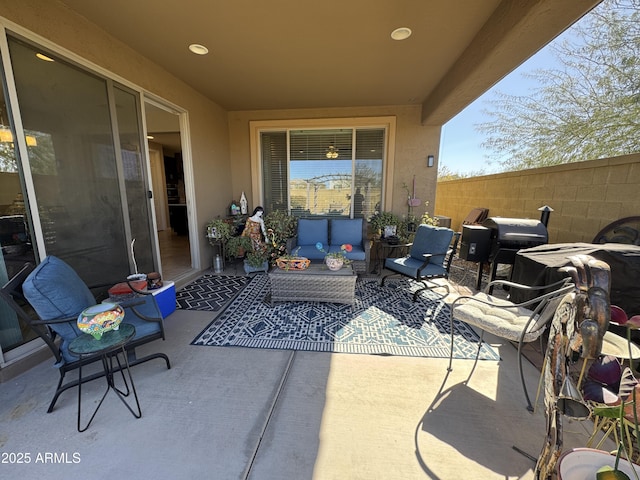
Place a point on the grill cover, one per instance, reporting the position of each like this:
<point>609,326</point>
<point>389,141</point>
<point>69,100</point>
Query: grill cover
<point>515,233</point>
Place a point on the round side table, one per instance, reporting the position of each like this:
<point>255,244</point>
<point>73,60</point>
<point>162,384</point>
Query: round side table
<point>109,347</point>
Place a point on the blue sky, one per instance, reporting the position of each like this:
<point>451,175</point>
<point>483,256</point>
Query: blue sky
<point>460,143</point>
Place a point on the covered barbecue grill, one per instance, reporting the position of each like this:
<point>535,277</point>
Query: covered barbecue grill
<point>513,234</point>
<point>505,237</point>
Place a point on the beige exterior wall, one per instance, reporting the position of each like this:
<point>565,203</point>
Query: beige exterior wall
<point>209,136</point>
<point>218,142</point>
<point>585,196</point>
<point>412,144</point>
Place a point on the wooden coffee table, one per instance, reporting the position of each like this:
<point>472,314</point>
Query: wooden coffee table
<point>314,284</point>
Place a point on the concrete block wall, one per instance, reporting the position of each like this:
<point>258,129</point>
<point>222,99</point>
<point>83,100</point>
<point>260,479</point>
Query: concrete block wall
<point>585,196</point>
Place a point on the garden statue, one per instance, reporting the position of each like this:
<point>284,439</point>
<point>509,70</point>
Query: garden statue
<point>577,328</point>
<point>254,229</point>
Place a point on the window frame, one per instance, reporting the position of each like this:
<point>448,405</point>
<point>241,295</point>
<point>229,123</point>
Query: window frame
<point>388,123</point>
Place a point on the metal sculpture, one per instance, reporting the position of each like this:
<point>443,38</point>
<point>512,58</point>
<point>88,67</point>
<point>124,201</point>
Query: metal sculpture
<point>576,331</point>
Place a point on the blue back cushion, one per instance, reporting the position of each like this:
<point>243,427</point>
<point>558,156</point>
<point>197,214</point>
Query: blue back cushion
<point>311,232</point>
<point>55,291</point>
<point>346,231</point>
<point>430,239</point>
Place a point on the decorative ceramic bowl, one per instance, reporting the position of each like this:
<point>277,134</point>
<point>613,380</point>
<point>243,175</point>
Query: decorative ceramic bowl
<point>583,463</point>
<point>98,319</point>
<point>334,263</point>
<point>295,263</point>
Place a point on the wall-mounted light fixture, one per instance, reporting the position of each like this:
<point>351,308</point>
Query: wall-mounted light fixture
<point>430,160</point>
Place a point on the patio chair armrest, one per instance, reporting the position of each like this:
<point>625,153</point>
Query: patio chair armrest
<point>56,321</point>
<point>292,243</point>
<point>427,259</point>
<point>510,284</point>
<point>561,287</point>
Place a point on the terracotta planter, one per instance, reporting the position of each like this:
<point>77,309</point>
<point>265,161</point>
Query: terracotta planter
<point>295,263</point>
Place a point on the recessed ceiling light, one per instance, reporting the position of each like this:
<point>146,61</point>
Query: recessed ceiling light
<point>198,49</point>
<point>401,33</point>
<point>42,56</point>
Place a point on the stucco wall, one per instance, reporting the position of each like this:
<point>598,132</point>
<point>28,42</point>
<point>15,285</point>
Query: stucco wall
<point>585,196</point>
<point>209,136</point>
<point>413,143</point>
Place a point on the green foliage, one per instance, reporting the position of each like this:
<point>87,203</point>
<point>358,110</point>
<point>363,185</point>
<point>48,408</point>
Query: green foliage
<point>283,225</point>
<point>445,173</point>
<point>382,219</point>
<point>256,259</point>
<point>587,109</point>
<point>238,246</point>
<point>218,228</point>
<point>426,218</point>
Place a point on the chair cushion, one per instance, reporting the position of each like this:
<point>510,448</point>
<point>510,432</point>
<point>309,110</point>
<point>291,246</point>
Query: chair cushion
<point>429,239</point>
<point>496,319</point>
<point>310,252</point>
<point>55,291</point>
<point>311,232</point>
<point>409,266</point>
<point>150,309</point>
<point>357,252</point>
<point>346,231</point>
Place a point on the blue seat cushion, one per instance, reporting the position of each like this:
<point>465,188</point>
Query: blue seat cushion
<point>311,232</point>
<point>429,239</point>
<point>357,252</point>
<point>346,231</point>
<point>410,267</point>
<point>150,309</point>
<point>310,252</point>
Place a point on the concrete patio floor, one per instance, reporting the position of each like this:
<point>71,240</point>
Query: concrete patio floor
<point>239,413</point>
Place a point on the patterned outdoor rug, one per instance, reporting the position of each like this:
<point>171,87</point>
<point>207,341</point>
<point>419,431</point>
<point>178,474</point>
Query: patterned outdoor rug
<point>383,321</point>
<point>209,292</point>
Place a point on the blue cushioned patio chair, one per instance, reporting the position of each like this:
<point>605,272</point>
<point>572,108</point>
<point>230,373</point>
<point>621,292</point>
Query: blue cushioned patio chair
<point>429,258</point>
<point>49,299</point>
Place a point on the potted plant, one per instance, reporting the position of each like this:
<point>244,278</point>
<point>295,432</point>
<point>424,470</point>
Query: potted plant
<point>253,261</point>
<point>335,260</point>
<point>237,247</point>
<point>218,230</point>
<point>256,261</point>
<point>381,220</point>
<point>292,261</point>
<point>281,227</point>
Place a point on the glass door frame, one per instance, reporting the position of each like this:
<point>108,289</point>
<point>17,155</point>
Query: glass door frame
<point>8,28</point>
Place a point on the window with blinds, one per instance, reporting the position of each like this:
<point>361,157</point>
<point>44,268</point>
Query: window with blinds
<point>328,172</point>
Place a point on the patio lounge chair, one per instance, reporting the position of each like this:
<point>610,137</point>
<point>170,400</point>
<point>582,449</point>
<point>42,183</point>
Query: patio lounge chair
<point>429,258</point>
<point>57,295</point>
<point>517,322</point>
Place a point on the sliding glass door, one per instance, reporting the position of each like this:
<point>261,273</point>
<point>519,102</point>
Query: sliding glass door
<point>87,169</point>
<point>74,184</point>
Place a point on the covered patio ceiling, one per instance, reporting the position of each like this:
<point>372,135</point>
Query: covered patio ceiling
<point>287,54</point>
